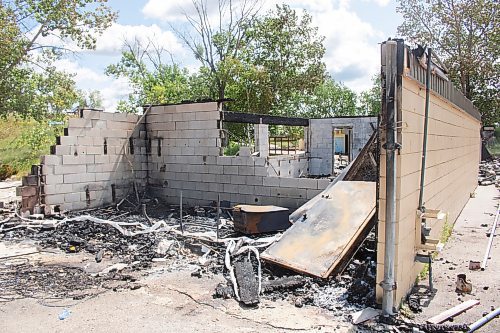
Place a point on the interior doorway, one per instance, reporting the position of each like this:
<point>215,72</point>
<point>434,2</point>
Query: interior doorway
<point>342,148</point>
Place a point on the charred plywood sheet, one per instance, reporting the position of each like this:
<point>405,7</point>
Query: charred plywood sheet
<point>317,242</point>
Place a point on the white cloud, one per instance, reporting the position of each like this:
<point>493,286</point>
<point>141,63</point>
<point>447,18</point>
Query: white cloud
<point>382,3</point>
<point>169,10</point>
<point>112,90</point>
<point>112,40</point>
<point>352,51</point>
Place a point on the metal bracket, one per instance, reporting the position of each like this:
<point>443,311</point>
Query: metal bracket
<point>388,286</point>
<point>391,147</point>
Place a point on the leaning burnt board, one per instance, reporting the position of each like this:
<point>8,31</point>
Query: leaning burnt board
<point>316,243</point>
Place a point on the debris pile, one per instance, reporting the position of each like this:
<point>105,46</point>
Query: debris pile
<point>134,238</point>
<point>489,172</point>
<point>48,282</point>
<point>348,292</point>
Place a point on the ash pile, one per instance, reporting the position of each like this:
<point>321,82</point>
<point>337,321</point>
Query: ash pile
<point>489,172</point>
<point>249,280</point>
<point>133,238</point>
<point>122,241</point>
<point>56,285</point>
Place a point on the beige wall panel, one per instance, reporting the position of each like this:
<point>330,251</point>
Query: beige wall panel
<point>453,151</point>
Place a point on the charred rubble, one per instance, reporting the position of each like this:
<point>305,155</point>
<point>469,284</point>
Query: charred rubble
<point>197,247</point>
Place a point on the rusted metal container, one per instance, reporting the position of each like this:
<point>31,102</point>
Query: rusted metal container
<point>250,219</point>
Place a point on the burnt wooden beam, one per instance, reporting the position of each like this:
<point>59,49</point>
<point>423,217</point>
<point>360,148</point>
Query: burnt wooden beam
<point>252,118</point>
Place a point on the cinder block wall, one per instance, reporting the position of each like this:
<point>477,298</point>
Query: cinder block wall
<point>453,153</point>
<point>171,149</point>
<point>93,163</point>
<point>291,166</point>
<point>321,140</point>
<point>187,156</point>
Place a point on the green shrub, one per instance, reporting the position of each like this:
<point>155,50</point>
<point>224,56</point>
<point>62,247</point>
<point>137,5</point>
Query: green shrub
<point>23,141</point>
<point>6,171</point>
<point>232,149</point>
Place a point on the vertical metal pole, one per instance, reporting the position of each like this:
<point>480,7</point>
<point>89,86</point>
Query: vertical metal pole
<point>431,286</point>
<point>426,124</point>
<point>218,215</point>
<point>180,214</point>
<point>391,73</point>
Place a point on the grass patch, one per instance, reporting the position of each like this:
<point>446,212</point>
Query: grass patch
<point>232,149</point>
<point>446,232</point>
<point>424,273</point>
<point>494,149</point>
<point>445,235</point>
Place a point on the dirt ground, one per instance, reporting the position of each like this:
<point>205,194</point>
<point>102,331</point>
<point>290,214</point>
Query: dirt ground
<point>166,302</point>
<point>468,242</point>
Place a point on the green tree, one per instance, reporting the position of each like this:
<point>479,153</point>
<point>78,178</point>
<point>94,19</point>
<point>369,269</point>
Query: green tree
<point>153,81</point>
<point>282,59</point>
<point>329,99</point>
<point>90,99</point>
<point>370,101</point>
<point>218,42</point>
<point>465,35</point>
<point>29,83</point>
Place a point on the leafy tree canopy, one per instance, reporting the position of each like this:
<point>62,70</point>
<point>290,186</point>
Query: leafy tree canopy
<point>465,34</point>
<point>152,79</point>
<point>29,83</point>
<point>282,58</point>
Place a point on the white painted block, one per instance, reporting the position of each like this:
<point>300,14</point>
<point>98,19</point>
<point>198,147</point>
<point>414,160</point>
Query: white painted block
<point>51,160</point>
<point>53,179</point>
<point>69,169</point>
<point>72,197</point>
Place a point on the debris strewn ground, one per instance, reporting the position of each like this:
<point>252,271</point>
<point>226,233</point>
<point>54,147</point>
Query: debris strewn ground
<point>85,259</point>
<point>77,269</point>
<point>471,228</point>
<point>489,172</point>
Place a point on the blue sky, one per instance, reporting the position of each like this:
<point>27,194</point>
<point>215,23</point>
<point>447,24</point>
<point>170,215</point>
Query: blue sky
<point>353,30</point>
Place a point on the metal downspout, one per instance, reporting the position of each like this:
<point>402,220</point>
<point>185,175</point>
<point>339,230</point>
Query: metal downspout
<point>426,124</point>
<point>388,284</point>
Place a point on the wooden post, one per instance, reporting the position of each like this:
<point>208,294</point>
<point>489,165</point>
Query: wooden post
<point>180,214</point>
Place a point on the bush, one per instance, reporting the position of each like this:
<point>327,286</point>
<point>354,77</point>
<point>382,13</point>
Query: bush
<point>232,149</point>
<point>23,141</point>
<point>6,171</point>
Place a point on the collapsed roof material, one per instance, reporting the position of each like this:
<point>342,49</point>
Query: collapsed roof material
<point>317,243</point>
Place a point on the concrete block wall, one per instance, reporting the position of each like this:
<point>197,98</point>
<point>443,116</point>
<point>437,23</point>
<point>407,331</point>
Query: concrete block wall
<point>170,149</point>
<point>98,159</point>
<point>291,166</point>
<point>320,137</point>
<point>261,134</point>
<point>187,156</point>
<point>453,154</point>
